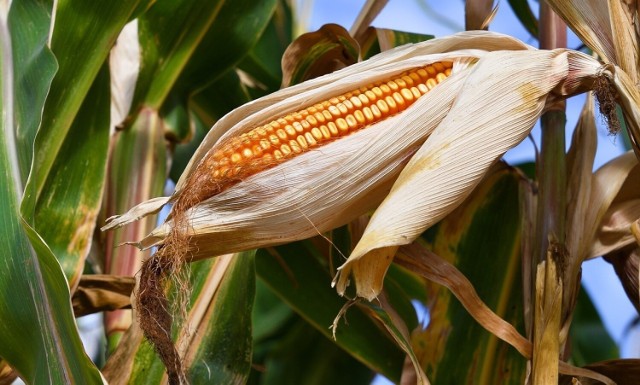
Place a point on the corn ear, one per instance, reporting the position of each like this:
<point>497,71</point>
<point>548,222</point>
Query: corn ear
<point>497,89</point>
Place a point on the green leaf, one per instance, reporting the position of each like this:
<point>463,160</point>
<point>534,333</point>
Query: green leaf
<point>82,38</point>
<point>206,40</point>
<point>222,349</point>
<point>270,314</point>
<point>238,27</point>
<point>218,347</point>
<point>297,277</point>
<point>71,196</point>
<point>525,15</point>
<point>482,238</point>
<point>590,341</point>
<point>263,62</point>
<point>34,67</point>
<point>305,356</point>
<point>38,335</point>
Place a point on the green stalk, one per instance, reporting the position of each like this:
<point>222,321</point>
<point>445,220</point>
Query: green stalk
<point>550,228</point>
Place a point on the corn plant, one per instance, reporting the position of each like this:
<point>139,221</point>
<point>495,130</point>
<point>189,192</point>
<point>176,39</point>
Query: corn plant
<point>328,184</point>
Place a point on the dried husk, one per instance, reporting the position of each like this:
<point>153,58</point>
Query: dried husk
<point>495,112</point>
<point>618,203</point>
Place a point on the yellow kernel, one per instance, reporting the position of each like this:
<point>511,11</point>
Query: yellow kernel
<point>317,134</point>
<point>407,80</point>
<point>236,158</point>
<point>355,101</point>
<point>311,139</point>
<point>247,153</point>
<point>377,93</point>
<point>423,89</point>
<point>286,150</point>
<point>431,71</point>
<point>370,95</point>
<point>368,114</point>
<point>325,132</point>
<point>289,119</point>
<point>415,92</point>
<point>440,77</point>
<point>342,124</point>
<point>281,134</point>
<point>302,141</point>
<point>264,143</point>
<point>334,111</point>
<point>393,86</point>
<point>364,99</point>
<point>298,127</point>
<point>377,114</point>
<point>274,139</point>
<point>295,147</point>
<point>431,83</point>
<point>290,130</point>
<point>319,117</point>
<point>398,98</point>
<point>333,129</point>
<point>359,116</point>
<point>351,121</point>
<point>391,103</point>
<point>385,89</point>
<point>447,72</point>
<point>312,120</point>
<point>277,154</point>
<point>343,109</point>
<point>438,67</point>
<point>327,115</point>
<point>347,103</point>
<point>407,94</point>
<point>382,105</point>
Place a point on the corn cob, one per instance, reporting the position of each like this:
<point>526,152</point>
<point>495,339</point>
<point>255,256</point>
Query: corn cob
<point>283,138</point>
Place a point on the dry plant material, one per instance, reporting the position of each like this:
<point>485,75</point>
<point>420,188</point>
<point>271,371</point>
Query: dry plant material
<point>239,157</point>
<point>414,128</point>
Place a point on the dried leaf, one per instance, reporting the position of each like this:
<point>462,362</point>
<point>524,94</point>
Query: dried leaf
<point>622,371</point>
<point>624,38</point>
<point>370,10</point>
<point>611,216</point>
<point>625,263</point>
<point>478,14</point>
<point>317,53</point>
<point>589,19</point>
<point>97,293</point>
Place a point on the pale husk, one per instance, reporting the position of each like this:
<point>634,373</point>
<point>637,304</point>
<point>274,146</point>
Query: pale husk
<point>494,113</point>
<point>328,187</point>
<point>590,20</point>
<point>618,203</point>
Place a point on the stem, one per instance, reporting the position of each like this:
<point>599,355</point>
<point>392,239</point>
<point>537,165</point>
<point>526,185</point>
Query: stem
<point>550,226</point>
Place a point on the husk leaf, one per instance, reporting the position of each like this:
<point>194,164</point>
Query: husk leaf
<point>459,152</point>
